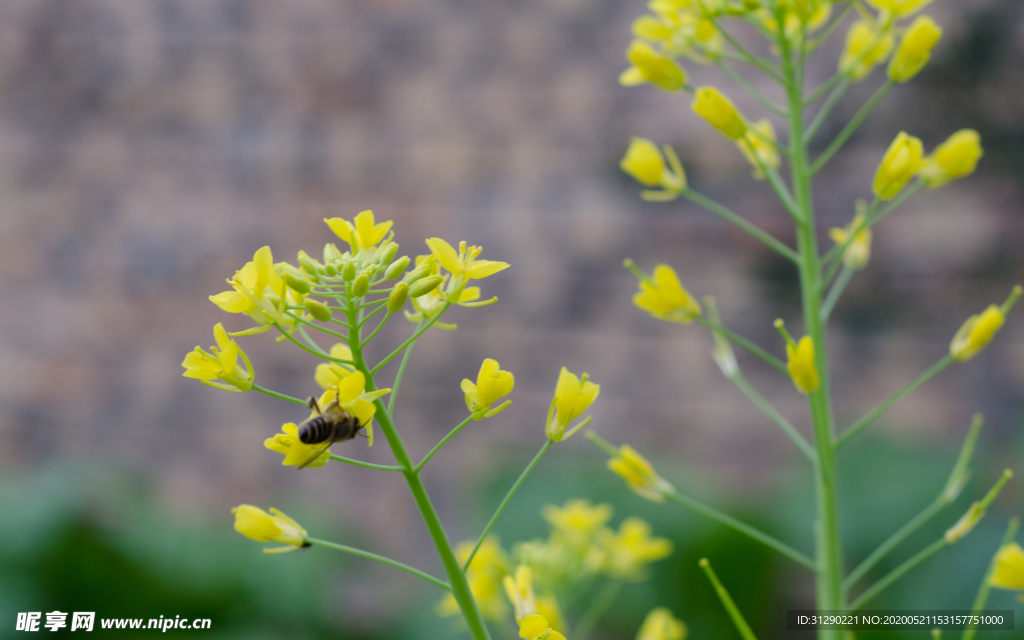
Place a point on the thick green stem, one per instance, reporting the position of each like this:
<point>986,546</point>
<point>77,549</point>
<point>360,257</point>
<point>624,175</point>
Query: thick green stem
<point>829,545</point>
<point>504,503</point>
<point>456,575</point>
<point>383,559</point>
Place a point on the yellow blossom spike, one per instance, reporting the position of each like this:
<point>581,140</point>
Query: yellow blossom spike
<point>664,296</point>
<point>660,624</point>
<point>915,49</point>
<point>491,385</point>
<point>858,252</point>
<point>640,475</point>
<point>256,524</point>
<point>651,66</point>
<point>259,290</point>
<point>954,158</point>
<point>573,396</point>
<point>901,162</point>
<point>1009,569</point>
<point>757,146</point>
<point>979,329</point>
<point>720,112</point>
<point>865,48</point>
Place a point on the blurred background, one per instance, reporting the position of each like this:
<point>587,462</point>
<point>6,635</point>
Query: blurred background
<point>147,149</point>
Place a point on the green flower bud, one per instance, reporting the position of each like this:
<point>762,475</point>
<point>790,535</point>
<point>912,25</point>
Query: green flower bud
<point>309,265</point>
<point>361,285</point>
<point>296,283</point>
<point>398,297</point>
<point>424,286</point>
<point>317,309</point>
<point>396,267</point>
<point>331,253</point>
<point>386,253</point>
<point>330,270</point>
<point>422,270</point>
<point>348,272</point>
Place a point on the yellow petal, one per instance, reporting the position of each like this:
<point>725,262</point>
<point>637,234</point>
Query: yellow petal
<point>446,255</point>
<point>233,302</point>
<point>484,268</point>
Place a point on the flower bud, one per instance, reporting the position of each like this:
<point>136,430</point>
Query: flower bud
<point>720,112</point>
<point>331,253</point>
<point>256,524</point>
<point>398,296</point>
<point>317,309</point>
<point>296,283</point>
<point>396,267</point>
<point>643,161</point>
<point>1009,568</point>
<point>865,47</point>
<point>424,286</point>
<point>348,271</point>
<point>901,162</point>
<point>915,49</point>
<point>650,66</point>
<point>361,285</point>
<point>330,270</point>
<point>640,475</point>
<point>420,271</point>
<point>388,252</point>
<point>309,265</point>
<point>954,158</point>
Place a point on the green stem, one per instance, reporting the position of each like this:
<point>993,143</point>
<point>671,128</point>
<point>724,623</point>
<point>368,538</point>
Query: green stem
<point>826,108</point>
<point>852,126</point>
<point>743,528</point>
<point>598,607</point>
<point>419,331</point>
<point>836,291</point>
<point>401,372</point>
<point>916,523</point>
<point>318,353</point>
<point>745,344</point>
<point>763,65</point>
<point>898,573</point>
<point>316,326</point>
<point>368,465</point>
<point>437,447</point>
<point>456,575</point>
<point>370,315</point>
<point>822,37</point>
<point>742,223</point>
<point>982,596</point>
<point>504,503</point>
<point>383,559</point>
<point>893,399</point>
<point>762,99</point>
<point>734,613</point>
<point>278,395</point>
<point>380,326</point>
<point>773,414</point>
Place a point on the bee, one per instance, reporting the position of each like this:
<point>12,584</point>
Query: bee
<point>329,425</point>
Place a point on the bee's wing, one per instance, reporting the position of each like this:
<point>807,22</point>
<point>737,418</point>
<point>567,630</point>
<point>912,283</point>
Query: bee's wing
<point>316,455</point>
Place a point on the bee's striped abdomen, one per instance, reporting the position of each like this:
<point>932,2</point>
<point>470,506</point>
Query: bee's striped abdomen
<point>315,430</point>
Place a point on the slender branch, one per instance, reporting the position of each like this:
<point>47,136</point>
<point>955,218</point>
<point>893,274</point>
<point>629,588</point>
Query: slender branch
<point>836,291</point>
<point>370,315</point>
<point>437,447</point>
<point>819,92</point>
<point>781,190</point>
<point>762,99</point>
<point>320,354</point>
<point>834,256</point>
<point>383,559</point>
<point>598,607</point>
<point>419,331</point>
<point>742,223</point>
<point>893,399</point>
<point>734,612</point>
<point>316,326</point>
<point>743,343</point>
<point>743,528</point>
<point>504,503</point>
<point>983,590</point>
<point>763,65</point>
<point>380,326</point>
<point>401,372</point>
<point>826,108</point>
<point>282,396</point>
<point>894,540</point>
<point>898,573</point>
<point>773,414</point>
<point>826,33</point>
<point>852,126</point>
<point>368,465</point>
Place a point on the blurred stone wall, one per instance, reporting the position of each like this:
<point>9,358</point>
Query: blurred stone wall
<point>147,149</point>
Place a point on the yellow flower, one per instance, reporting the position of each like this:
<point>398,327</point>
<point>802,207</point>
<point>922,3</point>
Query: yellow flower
<point>720,112</point>
<point>491,385</point>
<point>979,329</point>
<point>865,47</point>
<point>536,627</point>
<point>259,291</point>
<point>572,397</point>
<point>640,475</point>
<point>651,66</point>
<point>632,549</point>
<point>220,363</point>
<point>898,166</point>
<point>954,158</point>
<point>665,298</point>
<point>484,574</point>
<point>858,253</point>
<point>256,524</point>
<point>463,266</point>
<point>296,453</point>
<point>915,49</point>
<point>363,234</point>
<point>519,588</point>
<point>900,7</point>
<point>644,162</point>
<point>329,374</point>
<point>548,608</point>
<point>1009,570</point>
<point>756,145</point>
<point>660,624</point>
<point>800,356</point>
<point>578,520</point>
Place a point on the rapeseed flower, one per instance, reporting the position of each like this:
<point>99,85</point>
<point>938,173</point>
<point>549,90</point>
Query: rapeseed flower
<point>640,475</point>
<point>1009,569</point>
<point>866,46</point>
<point>573,396</point>
<point>491,385</point>
<point>256,524</point>
<point>900,163</point>
<point>259,291</point>
<point>664,297</point>
<point>915,49</point>
<point>800,361</point>
<point>220,363</point>
<point>653,67</point>
<point>720,112</point>
<point>954,158</point>
<point>365,233</point>
<point>979,329</point>
<point>858,252</point>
